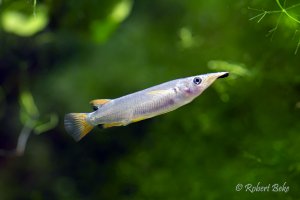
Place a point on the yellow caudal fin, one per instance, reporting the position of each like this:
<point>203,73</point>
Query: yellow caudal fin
<point>76,125</point>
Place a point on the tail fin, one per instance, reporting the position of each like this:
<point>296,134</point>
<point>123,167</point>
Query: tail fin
<point>76,125</point>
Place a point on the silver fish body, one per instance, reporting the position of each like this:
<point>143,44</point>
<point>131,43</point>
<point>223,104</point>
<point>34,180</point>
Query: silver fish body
<point>141,105</point>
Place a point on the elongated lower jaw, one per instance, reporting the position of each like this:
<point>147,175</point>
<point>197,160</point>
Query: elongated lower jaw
<point>224,75</point>
<point>210,78</point>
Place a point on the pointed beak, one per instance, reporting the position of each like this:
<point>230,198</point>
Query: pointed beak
<point>213,76</point>
<point>210,78</point>
<point>223,74</point>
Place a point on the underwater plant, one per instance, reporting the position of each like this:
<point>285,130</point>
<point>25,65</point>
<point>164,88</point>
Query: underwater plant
<point>283,11</point>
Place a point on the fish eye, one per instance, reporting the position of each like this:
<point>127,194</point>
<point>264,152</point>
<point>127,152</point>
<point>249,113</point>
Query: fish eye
<point>197,80</point>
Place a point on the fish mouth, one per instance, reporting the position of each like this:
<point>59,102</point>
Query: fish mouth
<point>213,76</point>
<point>223,75</point>
<point>210,78</point>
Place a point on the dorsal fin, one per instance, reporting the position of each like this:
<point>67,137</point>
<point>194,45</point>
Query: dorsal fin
<point>98,103</point>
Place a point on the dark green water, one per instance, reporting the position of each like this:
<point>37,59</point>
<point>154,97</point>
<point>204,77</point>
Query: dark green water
<point>243,133</point>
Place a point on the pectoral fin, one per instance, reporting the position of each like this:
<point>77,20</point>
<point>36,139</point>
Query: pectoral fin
<point>158,92</point>
<point>123,123</point>
<point>98,103</point>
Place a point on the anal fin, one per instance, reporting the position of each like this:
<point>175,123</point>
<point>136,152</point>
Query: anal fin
<point>113,124</point>
<point>139,119</point>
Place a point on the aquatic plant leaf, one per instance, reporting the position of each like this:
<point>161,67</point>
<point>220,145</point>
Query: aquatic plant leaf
<point>46,126</point>
<point>29,110</point>
<point>102,29</point>
<point>23,24</point>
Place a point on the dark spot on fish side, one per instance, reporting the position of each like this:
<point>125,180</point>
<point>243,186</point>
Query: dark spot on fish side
<point>188,90</point>
<point>171,102</point>
<point>224,75</point>
<point>175,90</point>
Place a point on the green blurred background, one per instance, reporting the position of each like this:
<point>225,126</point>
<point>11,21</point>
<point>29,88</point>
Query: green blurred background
<point>56,56</point>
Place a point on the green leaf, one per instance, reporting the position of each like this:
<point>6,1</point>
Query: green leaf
<point>102,29</point>
<point>235,69</point>
<point>121,11</point>
<point>44,127</point>
<point>29,111</point>
<point>22,24</point>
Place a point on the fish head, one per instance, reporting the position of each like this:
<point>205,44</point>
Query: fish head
<point>193,86</point>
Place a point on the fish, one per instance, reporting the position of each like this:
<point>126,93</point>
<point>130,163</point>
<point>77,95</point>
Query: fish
<point>141,105</point>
